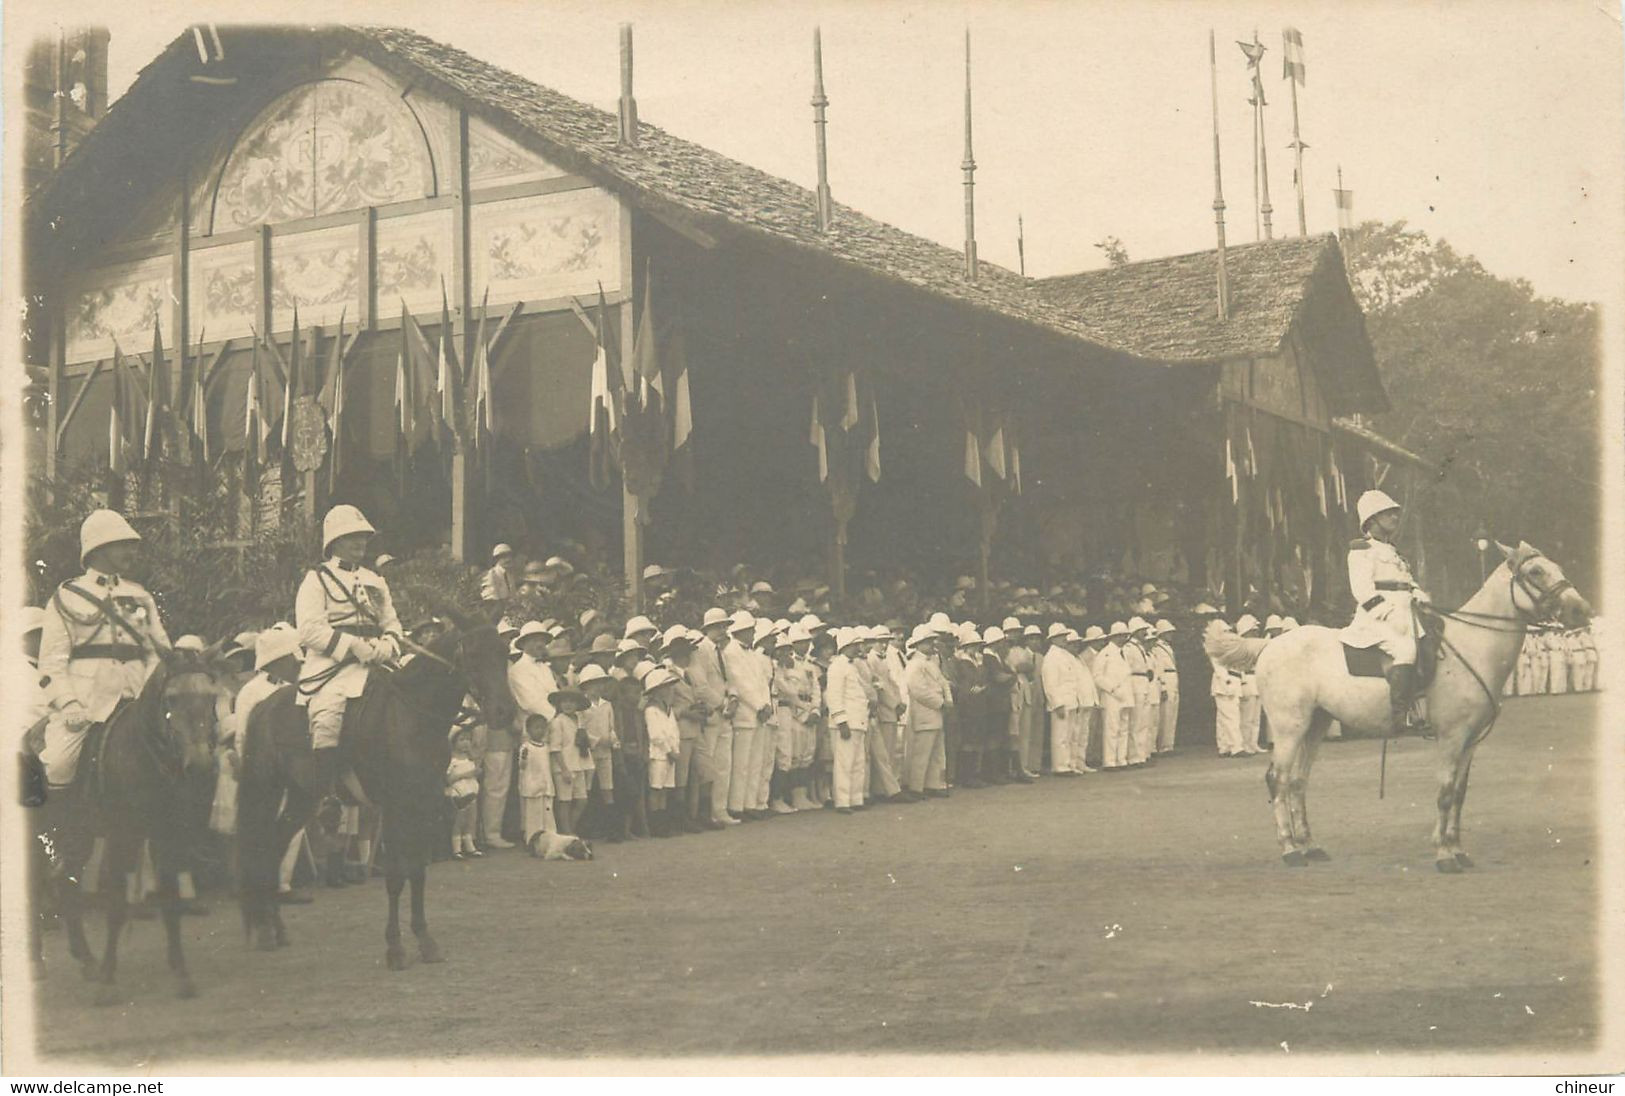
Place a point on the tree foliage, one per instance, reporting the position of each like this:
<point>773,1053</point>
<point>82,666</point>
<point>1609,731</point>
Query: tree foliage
<point>1493,383</point>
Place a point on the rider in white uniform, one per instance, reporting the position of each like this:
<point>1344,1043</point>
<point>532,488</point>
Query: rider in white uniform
<point>1384,594</point>
<point>346,621</point>
<point>99,643</point>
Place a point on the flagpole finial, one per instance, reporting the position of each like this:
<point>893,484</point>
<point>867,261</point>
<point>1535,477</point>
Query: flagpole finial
<point>820,101</point>
<point>968,166</point>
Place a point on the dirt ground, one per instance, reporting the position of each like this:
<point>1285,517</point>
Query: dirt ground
<point>1135,912</point>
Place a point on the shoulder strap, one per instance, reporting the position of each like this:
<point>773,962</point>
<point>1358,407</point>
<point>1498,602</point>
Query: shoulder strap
<point>105,605</point>
<point>1359,543</point>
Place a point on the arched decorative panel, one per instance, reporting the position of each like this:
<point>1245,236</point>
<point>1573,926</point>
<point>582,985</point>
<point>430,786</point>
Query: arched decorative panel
<point>324,147</point>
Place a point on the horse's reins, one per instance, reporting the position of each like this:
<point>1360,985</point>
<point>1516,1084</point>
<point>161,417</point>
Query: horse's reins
<point>1544,602</point>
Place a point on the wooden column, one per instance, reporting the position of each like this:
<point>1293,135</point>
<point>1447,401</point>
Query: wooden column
<point>367,320</point>
<point>461,274</point>
<point>179,280</point>
<point>310,480</point>
<point>631,518</point>
<point>56,317</point>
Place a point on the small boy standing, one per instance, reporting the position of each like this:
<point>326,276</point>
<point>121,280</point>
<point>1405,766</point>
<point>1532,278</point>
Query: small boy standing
<point>598,720</point>
<point>571,756</point>
<point>537,787</point>
<point>463,789</point>
<point>665,746</point>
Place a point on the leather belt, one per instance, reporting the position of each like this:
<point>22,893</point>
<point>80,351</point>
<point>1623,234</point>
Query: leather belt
<point>1391,585</point>
<point>361,631</point>
<point>118,652</point>
<point>1141,673</point>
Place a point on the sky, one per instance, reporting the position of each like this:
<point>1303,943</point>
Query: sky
<point>1492,124</point>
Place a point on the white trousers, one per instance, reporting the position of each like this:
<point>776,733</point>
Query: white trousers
<point>494,794</point>
<point>1062,731</point>
<point>763,751</point>
<point>1558,682</point>
<point>1227,724</point>
<point>1117,723</point>
<point>851,759</point>
<point>1251,710</point>
<point>719,763</point>
<point>1168,720</point>
<point>742,782</point>
<point>60,753</point>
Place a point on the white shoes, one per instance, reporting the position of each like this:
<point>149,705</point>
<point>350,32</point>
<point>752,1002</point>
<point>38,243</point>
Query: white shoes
<point>779,806</point>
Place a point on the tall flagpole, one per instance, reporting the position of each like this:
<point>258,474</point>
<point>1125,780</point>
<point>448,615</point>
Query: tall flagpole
<point>820,101</point>
<point>1218,185</point>
<point>968,166</point>
<point>1297,151</point>
<point>1258,232</point>
<point>1263,140</point>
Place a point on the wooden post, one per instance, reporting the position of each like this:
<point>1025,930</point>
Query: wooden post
<point>309,478</point>
<point>461,275</point>
<point>367,320</point>
<point>56,316</point>
<point>989,512</point>
<point>180,318</point>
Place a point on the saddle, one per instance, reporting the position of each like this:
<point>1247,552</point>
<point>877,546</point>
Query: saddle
<point>1371,662</point>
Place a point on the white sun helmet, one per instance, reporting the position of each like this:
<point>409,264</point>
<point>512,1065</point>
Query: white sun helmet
<point>101,528</point>
<point>341,521</point>
<point>1373,503</point>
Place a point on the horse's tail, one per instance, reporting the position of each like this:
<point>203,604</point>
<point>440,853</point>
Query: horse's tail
<point>1231,651</point>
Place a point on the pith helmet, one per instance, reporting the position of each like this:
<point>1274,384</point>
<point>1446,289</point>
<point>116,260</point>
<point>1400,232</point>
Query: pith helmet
<point>342,521</point>
<point>274,643</point>
<point>101,528</point>
<point>1373,503</point>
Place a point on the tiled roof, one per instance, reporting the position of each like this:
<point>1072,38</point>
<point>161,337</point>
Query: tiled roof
<point>1160,311</point>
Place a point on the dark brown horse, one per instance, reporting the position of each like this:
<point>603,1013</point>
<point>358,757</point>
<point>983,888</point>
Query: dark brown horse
<point>134,792</point>
<point>396,742</point>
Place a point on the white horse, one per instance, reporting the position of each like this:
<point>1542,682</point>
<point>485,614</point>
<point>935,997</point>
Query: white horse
<point>1304,683</point>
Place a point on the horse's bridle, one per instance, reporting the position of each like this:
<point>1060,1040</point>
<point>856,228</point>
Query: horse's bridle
<point>1543,602</point>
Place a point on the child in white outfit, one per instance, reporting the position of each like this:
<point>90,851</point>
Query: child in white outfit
<point>463,789</point>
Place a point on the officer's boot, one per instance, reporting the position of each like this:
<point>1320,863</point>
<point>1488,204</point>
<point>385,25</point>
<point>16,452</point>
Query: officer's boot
<point>325,772</point>
<point>1402,690</point>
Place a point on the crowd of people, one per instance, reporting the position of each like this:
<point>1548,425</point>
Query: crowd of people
<point>686,719</point>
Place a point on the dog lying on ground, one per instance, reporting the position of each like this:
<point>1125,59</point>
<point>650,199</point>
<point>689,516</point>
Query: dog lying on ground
<point>559,846</point>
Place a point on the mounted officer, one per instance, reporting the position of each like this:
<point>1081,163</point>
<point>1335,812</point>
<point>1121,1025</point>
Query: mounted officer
<point>347,623</point>
<point>100,641</point>
<point>1385,594</point>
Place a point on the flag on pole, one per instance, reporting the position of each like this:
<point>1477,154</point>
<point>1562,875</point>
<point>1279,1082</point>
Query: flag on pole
<point>849,418</point>
<point>1320,490</point>
<point>973,458</point>
<point>1252,454</point>
<point>682,410</point>
<point>291,390</point>
<point>645,350</point>
<point>819,441</point>
<point>996,453</point>
<point>871,460</point>
<point>200,401</point>
<point>608,384</point>
<point>403,383</point>
<point>1230,471</point>
<point>157,391</point>
<point>445,384</point>
<point>1015,467</point>
<point>1292,55</point>
<point>1345,209</point>
<point>115,418</point>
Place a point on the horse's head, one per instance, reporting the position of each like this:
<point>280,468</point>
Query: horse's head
<point>1539,589</point>
<point>479,654</point>
<point>192,683</point>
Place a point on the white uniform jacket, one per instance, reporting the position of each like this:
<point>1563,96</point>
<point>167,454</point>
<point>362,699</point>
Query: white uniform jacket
<point>335,606</point>
<point>1383,589</point>
<point>1112,676</point>
<point>87,664</point>
<point>847,695</point>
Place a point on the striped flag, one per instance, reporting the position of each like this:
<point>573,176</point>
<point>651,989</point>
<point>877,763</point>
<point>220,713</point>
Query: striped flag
<point>157,391</point>
<point>682,411</point>
<point>849,417</point>
<point>1320,490</point>
<point>1015,468</point>
<point>116,456</point>
<point>403,383</point>
<point>819,441</point>
<point>996,454</point>
<point>1230,471</point>
<point>973,457</point>
<point>607,388</point>
<point>1292,54</point>
<point>292,389</point>
<point>200,401</point>
<point>645,349</point>
<point>871,460</point>
<point>445,384</point>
